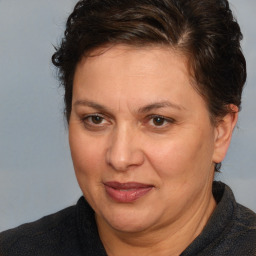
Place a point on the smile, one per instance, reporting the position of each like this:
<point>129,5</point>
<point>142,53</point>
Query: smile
<point>126,192</point>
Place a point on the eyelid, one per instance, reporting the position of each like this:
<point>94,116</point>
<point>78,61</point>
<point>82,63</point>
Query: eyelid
<point>107,120</point>
<point>84,120</point>
<point>92,115</point>
<point>168,119</point>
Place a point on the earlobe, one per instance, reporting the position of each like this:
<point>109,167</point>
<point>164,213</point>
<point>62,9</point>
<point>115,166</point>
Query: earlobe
<point>223,133</point>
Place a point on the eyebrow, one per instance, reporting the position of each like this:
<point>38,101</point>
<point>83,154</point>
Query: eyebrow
<point>92,104</point>
<point>158,105</point>
<point>144,109</point>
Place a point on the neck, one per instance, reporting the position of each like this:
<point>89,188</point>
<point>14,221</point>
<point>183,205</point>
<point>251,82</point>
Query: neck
<point>168,239</point>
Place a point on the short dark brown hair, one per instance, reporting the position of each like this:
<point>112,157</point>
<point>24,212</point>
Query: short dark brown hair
<point>204,30</point>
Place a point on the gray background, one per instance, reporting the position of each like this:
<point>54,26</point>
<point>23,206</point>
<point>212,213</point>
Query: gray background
<point>36,172</point>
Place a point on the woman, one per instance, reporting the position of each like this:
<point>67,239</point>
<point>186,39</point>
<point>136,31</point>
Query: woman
<point>152,94</point>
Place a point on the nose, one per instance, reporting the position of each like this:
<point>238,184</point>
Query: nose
<point>124,151</point>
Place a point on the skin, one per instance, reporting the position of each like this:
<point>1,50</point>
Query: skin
<point>153,128</point>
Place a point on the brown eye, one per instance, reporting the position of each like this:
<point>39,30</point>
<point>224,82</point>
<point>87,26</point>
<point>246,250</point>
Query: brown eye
<point>95,122</point>
<point>158,121</point>
<point>96,119</point>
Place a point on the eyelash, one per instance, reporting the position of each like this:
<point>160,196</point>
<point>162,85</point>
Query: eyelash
<point>90,124</point>
<point>86,122</point>
<point>167,120</point>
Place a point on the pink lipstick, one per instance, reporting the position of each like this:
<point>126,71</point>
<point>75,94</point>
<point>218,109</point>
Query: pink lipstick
<point>126,192</point>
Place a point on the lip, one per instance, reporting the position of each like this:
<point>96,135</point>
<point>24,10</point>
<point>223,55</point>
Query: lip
<point>126,192</point>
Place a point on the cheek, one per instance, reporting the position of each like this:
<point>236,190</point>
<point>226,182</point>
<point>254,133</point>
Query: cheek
<point>182,157</point>
<point>86,154</point>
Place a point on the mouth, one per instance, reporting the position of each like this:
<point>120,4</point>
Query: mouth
<point>126,192</point>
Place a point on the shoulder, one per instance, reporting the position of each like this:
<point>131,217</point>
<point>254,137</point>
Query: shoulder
<point>53,231</point>
<point>243,231</point>
<point>245,217</point>
<point>242,220</point>
<point>231,230</point>
<point>238,236</point>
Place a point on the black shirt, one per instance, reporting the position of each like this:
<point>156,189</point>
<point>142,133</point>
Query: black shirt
<point>230,231</point>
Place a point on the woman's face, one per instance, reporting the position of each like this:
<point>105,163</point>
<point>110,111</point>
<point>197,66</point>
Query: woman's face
<point>141,139</point>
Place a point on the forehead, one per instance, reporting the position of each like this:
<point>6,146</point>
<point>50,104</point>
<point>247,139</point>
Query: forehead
<point>115,51</point>
<point>134,74</point>
<point>153,61</point>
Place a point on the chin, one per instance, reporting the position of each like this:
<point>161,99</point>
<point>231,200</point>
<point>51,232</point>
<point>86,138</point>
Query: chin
<point>131,221</point>
<point>129,227</point>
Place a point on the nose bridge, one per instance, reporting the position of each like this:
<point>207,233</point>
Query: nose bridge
<point>124,148</point>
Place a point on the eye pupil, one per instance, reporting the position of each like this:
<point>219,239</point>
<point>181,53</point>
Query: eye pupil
<point>158,121</point>
<point>97,119</point>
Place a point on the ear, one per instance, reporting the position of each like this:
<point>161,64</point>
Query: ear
<point>223,133</point>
